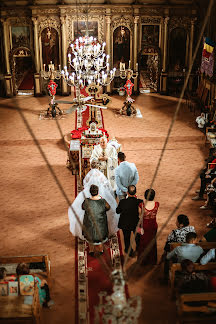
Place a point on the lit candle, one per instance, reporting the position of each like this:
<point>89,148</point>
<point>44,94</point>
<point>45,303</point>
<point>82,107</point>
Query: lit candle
<point>136,66</point>
<point>129,64</point>
<point>59,67</point>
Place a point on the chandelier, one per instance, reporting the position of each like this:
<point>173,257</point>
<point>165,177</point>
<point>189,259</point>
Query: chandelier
<point>87,64</point>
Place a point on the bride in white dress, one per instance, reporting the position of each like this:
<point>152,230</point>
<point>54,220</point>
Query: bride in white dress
<point>94,176</point>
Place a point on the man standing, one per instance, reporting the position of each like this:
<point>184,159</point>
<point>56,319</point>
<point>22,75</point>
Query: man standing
<point>106,156</point>
<point>126,174</point>
<point>129,216</point>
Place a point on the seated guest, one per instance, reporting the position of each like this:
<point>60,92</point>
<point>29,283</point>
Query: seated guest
<point>43,289</point>
<point>188,250</point>
<point>190,281</point>
<point>129,216</point>
<point>3,276</point>
<point>179,234</point>
<point>201,121</point>
<point>206,175</point>
<point>149,226</point>
<point>209,256</point>
<point>211,195</point>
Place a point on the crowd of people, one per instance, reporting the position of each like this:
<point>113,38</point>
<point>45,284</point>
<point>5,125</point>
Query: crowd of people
<point>103,207</point>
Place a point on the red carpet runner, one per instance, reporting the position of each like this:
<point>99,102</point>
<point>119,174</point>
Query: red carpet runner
<point>90,275</point>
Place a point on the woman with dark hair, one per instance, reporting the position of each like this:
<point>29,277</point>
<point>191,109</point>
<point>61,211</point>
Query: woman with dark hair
<point>75,211</point>
<point>146,254</point>
<point>95,220</point>
<point>179,234</point>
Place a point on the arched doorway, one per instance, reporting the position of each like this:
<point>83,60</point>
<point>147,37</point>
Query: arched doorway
<point>121,51</point>
<point>150,67</point>
<point>23,69</point>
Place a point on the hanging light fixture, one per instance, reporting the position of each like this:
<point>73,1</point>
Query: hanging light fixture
<point>87,64</point>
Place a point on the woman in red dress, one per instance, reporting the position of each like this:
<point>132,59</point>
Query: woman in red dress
<point>149,226</point>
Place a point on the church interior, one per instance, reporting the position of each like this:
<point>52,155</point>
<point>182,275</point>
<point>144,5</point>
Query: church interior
<point>142,75</point>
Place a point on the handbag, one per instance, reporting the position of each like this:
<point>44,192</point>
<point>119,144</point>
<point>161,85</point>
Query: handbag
<point>140,229</point>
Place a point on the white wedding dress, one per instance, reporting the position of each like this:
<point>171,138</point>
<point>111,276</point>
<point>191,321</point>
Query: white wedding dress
<point>94,176</point>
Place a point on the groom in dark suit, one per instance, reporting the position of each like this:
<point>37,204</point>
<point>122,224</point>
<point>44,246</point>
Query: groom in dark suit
<point>129,216</point>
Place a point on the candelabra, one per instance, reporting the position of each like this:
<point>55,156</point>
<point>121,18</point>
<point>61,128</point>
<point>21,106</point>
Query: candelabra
<point>116,308</point>
<point>87,64</point>
<point>51,74</point>
<point>128,73</point>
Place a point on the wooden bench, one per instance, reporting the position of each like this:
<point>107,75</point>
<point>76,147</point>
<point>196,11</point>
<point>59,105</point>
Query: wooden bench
<point>15,260</point>
<point>197,267</point>
<point>197,314</point>
<point>14,310</point>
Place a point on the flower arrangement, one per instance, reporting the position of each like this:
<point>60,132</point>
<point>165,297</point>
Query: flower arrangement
<point>121,91</point>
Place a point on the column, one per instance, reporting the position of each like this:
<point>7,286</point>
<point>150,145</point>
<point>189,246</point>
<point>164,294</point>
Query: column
<point>164,65</point>
<point>108,40</point>
<point>7,77</point>
<point>191,51</point>
<point>136,20</point>
<point>64,53</point>
<point>37,89</point>
<point>165,43</point>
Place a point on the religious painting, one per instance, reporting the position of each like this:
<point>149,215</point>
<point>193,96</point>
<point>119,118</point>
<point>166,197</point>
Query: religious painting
<point>121,46</point>
<point>80,28</point>
<point>177,49</point>
<point>20,36</point>
<point>150,35</point>
<point>50,46</point>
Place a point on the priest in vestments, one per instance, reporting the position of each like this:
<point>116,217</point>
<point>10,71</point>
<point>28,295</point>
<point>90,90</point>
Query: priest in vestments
<point>106,156</point>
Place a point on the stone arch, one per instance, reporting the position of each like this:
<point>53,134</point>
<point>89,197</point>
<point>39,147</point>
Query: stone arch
<point>22,68</point>
<point>149,60</point>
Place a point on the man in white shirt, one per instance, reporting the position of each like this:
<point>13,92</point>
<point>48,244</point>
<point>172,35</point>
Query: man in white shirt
<point>126,174</point>
<point>210,255</point>
<point>188,250</point>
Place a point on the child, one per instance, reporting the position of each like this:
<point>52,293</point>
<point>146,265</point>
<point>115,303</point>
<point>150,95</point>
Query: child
<point>43,289</point>
<point>3,276</point>
<point>191,281</point>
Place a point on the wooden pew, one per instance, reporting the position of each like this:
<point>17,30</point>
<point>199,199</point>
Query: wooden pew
<point>13,309</point>
<point>195,314</point>
<point>4,260</point>
<point>197,266</point>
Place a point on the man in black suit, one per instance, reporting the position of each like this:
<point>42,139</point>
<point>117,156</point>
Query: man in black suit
<point>129,216</point>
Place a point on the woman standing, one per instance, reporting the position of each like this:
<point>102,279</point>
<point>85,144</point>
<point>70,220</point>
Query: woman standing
<point>149,226</point>
<point>94,176</point>
<point>95,220</point>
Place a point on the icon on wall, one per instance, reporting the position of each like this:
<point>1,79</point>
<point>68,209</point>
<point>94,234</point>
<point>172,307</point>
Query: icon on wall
<point>20,36</point>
